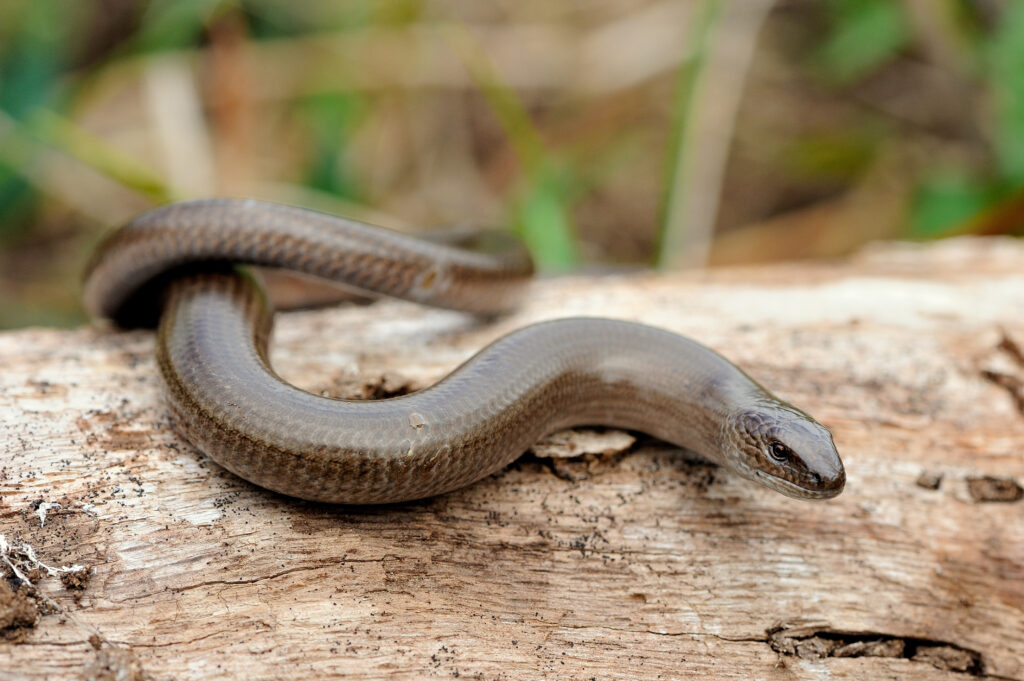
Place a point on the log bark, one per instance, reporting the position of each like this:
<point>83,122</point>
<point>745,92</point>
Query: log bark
<point>637,564</point>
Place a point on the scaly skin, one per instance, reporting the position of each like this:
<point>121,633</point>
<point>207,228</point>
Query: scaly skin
<point>227,400</point>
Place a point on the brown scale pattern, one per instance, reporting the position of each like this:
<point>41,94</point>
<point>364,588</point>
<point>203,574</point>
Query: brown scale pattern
<point>228,401</point>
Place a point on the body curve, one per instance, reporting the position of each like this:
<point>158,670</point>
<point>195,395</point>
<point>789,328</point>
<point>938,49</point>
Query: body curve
<point>212,351</point>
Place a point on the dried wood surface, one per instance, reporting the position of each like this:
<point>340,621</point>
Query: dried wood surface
<point>642,564</point>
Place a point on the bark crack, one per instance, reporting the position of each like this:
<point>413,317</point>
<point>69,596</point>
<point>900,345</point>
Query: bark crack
<point>818,642</point>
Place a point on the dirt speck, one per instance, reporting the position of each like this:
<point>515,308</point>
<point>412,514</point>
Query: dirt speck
<point>18,612</point>
<point>76,580</point>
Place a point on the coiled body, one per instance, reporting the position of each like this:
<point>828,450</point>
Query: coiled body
<point>212,351</point>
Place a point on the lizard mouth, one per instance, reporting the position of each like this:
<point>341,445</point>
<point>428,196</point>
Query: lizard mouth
<point>791,489</point>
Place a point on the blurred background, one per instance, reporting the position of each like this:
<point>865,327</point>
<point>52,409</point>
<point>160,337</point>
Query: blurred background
<point>607,133</point>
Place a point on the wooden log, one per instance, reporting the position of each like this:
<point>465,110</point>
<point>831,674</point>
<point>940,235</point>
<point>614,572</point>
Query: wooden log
<point>644,564</point>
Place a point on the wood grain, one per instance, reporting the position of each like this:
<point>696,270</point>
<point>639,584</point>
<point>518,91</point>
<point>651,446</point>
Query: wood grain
<point>645,564</point>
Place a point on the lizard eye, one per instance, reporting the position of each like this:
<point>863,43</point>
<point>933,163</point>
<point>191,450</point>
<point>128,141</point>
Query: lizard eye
<point>779,452</point>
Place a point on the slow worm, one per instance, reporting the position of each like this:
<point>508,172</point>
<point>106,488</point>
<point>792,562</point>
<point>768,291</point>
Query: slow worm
<point>176,264</point>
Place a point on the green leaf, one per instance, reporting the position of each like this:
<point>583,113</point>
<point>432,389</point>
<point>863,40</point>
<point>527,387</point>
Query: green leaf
<point>944,202</point>
<point>174,24</point>
<point>830,156</point>
<point>544,224</point>
<point>1006,78</point>
<point>31,58</point>
<point>332,119</point>
<point>867,33</point>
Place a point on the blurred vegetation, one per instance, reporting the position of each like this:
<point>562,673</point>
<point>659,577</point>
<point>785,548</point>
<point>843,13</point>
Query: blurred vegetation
<point>580,125</point>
